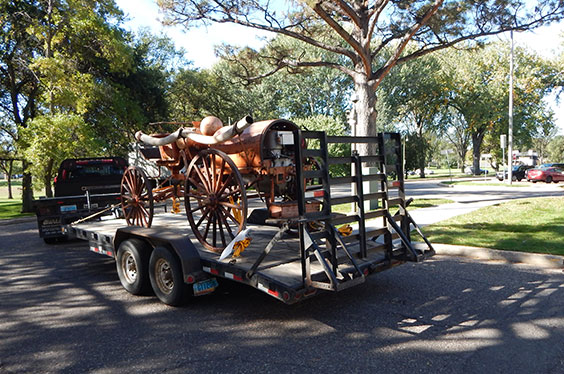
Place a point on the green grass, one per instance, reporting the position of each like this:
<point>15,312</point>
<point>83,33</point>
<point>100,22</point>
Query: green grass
<point>15,183</point>
<point>528,225</point>
<point>416,204</point>
<point>11,208</point>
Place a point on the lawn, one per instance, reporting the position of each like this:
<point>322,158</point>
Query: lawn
<point>11,208</point>
<point>15,184</point>
<point>527,225</point>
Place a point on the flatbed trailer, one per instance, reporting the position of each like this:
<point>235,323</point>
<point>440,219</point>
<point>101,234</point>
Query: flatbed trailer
<point>289,259</point>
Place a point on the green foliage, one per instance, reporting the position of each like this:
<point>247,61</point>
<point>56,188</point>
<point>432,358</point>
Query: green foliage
<point>332,127</point>
<point>50,139</point>
<point>556,149</point>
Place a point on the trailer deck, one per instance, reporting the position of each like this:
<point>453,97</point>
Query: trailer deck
<point>279,274</point>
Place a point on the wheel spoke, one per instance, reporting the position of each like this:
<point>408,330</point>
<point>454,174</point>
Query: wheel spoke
<point>230,205</point>
<point>198,197</point>
<point>214,225</point>
<point>220,228</point>
<point>221,171</point>
<point>227,224</point>
<point>225,184</point>
<point>143,210</point>
<point>233,218</point>
<point>204,215</point>
<point>129,183</point>
<point>203,180</point>
<point>206,172</point>
<point>206,230</point>
<point>145,220</point>
<point>231,193</point>
<point>198,185</point>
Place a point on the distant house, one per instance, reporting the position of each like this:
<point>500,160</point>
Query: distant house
<point>519,158</point>
<point>528,158</point>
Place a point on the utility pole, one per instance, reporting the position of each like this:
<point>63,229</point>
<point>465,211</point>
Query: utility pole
<point>510,133</point>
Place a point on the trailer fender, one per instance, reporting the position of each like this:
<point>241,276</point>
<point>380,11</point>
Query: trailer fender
<point>181,245</point>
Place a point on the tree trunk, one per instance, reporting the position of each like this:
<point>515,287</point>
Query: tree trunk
<point>47,178</point>
<point>9,176</point>
<point>477,138</point>
<point>27,190</point>
<point>365,113</point>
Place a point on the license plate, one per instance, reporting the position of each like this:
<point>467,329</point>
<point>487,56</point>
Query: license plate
<point>204,287</point>
<point>68,208</point>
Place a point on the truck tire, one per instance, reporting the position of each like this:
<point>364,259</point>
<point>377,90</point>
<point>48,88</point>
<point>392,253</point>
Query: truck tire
<point>132,262</point>
<point>50,241</point>
<point>166,277</point>
<point>55,240</point>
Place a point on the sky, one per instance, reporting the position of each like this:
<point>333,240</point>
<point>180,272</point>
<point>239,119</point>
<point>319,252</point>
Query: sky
<point>199,43</point>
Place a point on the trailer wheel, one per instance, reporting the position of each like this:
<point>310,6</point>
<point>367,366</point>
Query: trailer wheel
<point>166,277</point>
<point>132,262</point>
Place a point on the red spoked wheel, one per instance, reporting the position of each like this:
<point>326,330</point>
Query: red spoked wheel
<point>136,198</point>
<point>215,199</point>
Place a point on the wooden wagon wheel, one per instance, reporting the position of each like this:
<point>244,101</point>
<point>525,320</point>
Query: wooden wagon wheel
<point>215,199</point>
<point>136,198</point>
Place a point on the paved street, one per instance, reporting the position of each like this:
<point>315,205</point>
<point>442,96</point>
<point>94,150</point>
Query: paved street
<point>62,310</point>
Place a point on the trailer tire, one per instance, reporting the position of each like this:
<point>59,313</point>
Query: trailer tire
<point>166,277</point>
<point>132,262</point>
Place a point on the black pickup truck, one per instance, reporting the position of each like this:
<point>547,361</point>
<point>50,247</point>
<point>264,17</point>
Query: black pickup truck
<point>82,187</point>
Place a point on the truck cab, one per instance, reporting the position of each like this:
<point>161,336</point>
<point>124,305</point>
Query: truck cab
<point>96,175</point>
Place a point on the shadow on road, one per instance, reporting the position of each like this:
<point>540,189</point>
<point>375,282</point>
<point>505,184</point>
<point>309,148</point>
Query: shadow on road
<point>64,311</point>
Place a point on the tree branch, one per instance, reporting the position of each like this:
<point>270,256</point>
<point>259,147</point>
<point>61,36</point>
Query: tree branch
<point>346,37</point>
<point>382,72</point>
<point>228,17</point>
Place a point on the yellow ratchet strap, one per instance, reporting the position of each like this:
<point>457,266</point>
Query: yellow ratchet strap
<point>237,214</point>
<point>175,206</point>
<point>345,230</point>
<point>240,246</point>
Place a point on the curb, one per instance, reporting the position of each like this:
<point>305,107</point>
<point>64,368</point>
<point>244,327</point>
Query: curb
<point>536,259</point>
<point>15,221</point>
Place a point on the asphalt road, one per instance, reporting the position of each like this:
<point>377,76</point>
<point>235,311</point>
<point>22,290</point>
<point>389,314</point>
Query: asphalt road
<point>62,310</point>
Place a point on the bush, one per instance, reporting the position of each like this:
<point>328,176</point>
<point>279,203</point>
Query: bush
<point>331,127</point>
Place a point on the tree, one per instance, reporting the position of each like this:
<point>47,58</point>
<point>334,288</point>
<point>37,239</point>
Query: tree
<point>19,88</point>
<point>70,58</point>
<point>53,138</point>
<point>333,127</point>
<point>458,135</point>
<point>370,36</point>
<point>419,108</point>
<point>556,149</point>
<point>541,139</point>
<point>7,158</point>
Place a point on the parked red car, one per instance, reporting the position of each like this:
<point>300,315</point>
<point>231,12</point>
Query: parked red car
<point>547,175</point>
